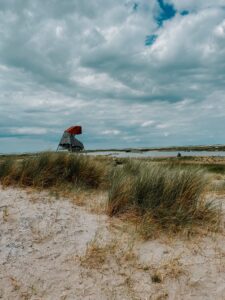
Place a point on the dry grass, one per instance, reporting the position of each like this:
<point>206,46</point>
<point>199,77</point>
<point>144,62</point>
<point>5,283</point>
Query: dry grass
<point>96,254</point>
<point>99,253</point>
<point>217,186</point>
<point>160,296</point>
<point>164,196</point>
<point>48,170</point>
<point>171,268</point>
<point>5,213</point>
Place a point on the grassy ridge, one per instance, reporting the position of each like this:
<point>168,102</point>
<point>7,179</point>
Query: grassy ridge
<point>52,169</point>
<point>166,195</point>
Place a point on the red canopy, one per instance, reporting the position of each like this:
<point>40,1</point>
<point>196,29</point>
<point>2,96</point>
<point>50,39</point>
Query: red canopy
<point>74,130</point>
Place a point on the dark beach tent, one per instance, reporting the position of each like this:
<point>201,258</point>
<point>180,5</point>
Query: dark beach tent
<point>68,140</point>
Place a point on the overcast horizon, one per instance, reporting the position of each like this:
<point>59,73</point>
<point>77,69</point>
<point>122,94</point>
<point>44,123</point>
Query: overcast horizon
<point>138,73</point>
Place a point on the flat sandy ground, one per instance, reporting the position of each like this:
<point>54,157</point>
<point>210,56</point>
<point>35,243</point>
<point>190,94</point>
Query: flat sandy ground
<point>54,249</point>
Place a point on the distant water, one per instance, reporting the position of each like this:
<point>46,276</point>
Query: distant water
<point>159,153</point>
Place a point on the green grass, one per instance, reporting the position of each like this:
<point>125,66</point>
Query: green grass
<point>53,169</point>
<point>215,168</point>
<point>209,167</point>
<point>166,195</point>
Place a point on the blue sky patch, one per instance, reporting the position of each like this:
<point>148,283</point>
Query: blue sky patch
<point>184,12</point>
<point>135,6</point>
<point>167,12</point>
<point>150,39</point>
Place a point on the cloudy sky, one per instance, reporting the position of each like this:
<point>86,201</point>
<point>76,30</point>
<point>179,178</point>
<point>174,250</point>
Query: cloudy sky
<point>133,73</point>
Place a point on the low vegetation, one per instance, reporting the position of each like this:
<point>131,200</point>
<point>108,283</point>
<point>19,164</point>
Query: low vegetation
<point>162,195</point>
<point>53,169</point>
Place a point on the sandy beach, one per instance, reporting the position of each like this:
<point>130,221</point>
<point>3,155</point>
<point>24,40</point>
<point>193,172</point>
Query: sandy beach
<point>54,249</point>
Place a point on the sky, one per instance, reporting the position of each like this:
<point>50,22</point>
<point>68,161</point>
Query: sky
<point>133,73</point>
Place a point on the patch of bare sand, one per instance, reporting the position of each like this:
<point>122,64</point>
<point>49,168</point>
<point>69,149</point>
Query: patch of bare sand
<point>52,249</point>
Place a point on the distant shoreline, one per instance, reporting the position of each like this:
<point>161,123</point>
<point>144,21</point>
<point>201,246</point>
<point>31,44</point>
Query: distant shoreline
<point>209,148</point>
<point>172,148</point>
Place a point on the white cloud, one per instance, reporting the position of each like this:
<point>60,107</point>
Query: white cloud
<point>111,132</point>
<point>28,131</point>
<point>196,5</point>
<point>148,123</point>
<point>220,30</point>
<point>162,126</point>
<point>68,62</point>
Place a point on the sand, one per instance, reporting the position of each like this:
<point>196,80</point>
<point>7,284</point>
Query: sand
<point>53,249</point>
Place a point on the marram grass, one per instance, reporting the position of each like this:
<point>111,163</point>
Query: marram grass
<point>53,169</point>
<point>161,194</point>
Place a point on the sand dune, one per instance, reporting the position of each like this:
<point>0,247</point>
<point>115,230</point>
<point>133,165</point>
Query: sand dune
<point>54,249</point>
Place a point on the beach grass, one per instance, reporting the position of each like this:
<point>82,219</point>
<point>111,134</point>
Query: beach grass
<point>53,169</point>
<point>163,195</point>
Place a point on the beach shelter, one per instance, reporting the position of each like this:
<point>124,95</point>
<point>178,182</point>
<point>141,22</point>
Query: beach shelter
<point>68,140</point>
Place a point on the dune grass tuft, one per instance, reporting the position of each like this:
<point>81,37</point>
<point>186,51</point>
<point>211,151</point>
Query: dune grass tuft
<point>53,169</point>
<point>162,194</point>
